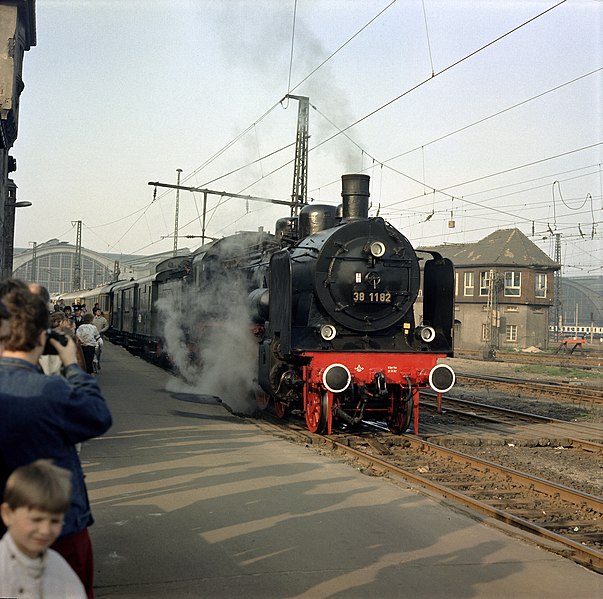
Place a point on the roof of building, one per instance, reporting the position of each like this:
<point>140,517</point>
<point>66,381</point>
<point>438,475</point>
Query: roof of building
<point>507,247</point>
<point>592,282</point>
<point>53,244</point>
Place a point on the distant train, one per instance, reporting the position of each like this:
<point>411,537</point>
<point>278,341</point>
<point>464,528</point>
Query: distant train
<point>573,331</point>
<point>330,301</point>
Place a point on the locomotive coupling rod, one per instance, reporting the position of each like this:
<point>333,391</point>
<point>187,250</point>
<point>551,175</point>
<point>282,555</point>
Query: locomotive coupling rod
<point>223,193</point>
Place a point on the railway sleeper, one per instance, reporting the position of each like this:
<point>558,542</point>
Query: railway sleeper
<point>562,524</point>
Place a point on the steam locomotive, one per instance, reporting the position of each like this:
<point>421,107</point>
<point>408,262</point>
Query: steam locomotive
<point>331,299</point>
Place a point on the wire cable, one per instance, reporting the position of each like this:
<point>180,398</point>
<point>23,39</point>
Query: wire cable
<point>292,43</point>
<point>427,33</point>
<point>491,116</point>
<point>373,112</point>
<point>344,44</point>
<point>341,131</point>
<point>441,72</point>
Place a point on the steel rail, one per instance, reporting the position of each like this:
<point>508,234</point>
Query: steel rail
<point>584,360</point>
<point>586,395</point>
<point>580,553</point>
<point>518,417</point>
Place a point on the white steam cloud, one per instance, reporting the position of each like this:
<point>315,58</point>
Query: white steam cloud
<point>207,335</point>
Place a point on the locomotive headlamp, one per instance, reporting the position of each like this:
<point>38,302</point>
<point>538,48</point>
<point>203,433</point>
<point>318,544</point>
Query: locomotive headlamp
<point>426,334</point>
<point>328,332</point>
<point>442,378</point>
<point>377,249</point>
<point>336,378</point>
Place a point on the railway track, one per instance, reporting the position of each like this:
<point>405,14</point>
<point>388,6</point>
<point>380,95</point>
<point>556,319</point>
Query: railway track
<point>589,436</point>
<point>572,521</point>
<point>583,394</point>
<point>587,360</point>
<point>565,520</point>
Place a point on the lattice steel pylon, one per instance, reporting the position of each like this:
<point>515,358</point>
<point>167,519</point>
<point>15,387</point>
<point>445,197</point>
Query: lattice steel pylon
<point>77,265</point>
<point>299,195</point>
<point>178,170</point>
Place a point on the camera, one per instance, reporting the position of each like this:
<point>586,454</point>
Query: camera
<point>58,336</point>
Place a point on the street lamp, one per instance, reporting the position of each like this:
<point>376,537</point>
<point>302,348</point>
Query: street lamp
<point>10,205</point>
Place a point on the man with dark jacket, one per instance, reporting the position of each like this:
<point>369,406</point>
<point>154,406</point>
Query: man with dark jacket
<point>45,416</point>
<point>4,326</point>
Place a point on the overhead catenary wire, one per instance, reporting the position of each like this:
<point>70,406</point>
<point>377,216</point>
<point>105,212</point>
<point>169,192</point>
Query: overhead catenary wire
<point>494,115</point>
<point>292,46</point>
<point>291,89</point>
<point>444,190</point>
<point>343,130</point>
<point>370,22</point>
<point>427,35</point>
<point>265,114</point>
<point>410,90</point>
<point>441,72</point>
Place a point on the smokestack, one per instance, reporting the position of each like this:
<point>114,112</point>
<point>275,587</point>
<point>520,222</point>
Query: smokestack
<point>355,194</point>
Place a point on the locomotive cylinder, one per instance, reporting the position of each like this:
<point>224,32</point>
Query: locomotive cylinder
<point>355,194</point>
<point>259,305</point>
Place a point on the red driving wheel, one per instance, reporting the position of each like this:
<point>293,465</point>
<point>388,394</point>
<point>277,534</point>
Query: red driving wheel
<point>317,411</point>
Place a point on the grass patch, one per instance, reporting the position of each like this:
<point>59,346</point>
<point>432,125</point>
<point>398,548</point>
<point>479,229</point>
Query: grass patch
<point>559,371</point>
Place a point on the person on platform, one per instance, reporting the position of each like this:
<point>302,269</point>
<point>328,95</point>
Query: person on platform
<point>51,363</point>
<point>78,317</point>
<point>4,326</point>
<point>42,292</point>
<point>6,286</point>
<point>44,417</point>
<point>100,322</point>
<point>36,498</point>
<point>88,334</point>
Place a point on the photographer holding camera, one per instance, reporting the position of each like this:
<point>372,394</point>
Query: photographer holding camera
<point>43,417</point>
<point>50,362</point>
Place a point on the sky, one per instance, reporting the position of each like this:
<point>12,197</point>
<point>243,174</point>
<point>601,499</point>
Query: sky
<point>469,116</point>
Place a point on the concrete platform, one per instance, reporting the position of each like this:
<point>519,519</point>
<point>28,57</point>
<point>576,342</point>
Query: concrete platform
<point>191,501</point>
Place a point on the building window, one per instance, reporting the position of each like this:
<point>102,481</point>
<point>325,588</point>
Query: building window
<point>468,283</point>
<point>511,308</point>
<point>512,283</point>
<point>540,290</point>
<point>456,284</point>
<point>511,332</point>
<point>484,282</point>
<point>485,333</point>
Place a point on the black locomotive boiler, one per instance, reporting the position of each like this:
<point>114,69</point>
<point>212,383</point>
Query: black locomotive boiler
<point>339,339</point>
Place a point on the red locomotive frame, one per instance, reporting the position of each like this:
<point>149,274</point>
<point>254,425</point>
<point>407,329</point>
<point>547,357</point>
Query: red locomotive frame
<point>399,372</point>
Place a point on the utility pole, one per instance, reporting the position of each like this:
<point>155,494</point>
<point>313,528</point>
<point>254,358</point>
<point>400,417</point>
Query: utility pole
<point>558,313</point>
<point>77,265</point>
<point>299,195</point>
<point>492,317</point>
<point>178,170</point>
<point>7,236</point>
<point>34,261</point>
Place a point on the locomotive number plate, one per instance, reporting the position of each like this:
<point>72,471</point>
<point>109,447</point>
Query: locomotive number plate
<point>372,297</point>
